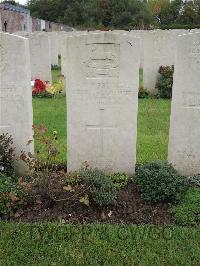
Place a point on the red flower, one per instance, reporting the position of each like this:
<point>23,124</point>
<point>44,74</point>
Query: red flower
<point>39,87</point>
<point>42,129</point>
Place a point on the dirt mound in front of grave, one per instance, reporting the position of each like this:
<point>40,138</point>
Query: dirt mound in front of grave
<point>65,206</point>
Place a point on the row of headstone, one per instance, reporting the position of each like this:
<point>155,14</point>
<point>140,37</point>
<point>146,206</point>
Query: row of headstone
<point>102,87</point>
<point>40,54</point>
<point>157,48</point>
<point>54,50</point>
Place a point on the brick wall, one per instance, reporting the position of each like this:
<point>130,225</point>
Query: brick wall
<point>19,19</point>
<point>14,21</point>
<point>48,26</point>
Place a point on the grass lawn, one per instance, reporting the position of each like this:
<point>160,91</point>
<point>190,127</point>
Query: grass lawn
<point>153,125</point>
<point>55,74</point>
<point>153,130</point>
<point>58,244</point>
<point>52,113</point>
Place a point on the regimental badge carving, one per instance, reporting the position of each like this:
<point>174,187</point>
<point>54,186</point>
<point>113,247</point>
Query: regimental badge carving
<point>102,60</point>
<point>195,53</point>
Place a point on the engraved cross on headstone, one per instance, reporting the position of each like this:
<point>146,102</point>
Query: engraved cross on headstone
<point>101,127</point>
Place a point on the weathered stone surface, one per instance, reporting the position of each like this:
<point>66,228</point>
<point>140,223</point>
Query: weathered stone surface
<point>184,144</point>
<point>102,101</point>
<point>53,38</point>
<point>40,56</point>
<point>24,34</point>
<point>64,57</point>
<point>140,34</point>
<point>16,117</point>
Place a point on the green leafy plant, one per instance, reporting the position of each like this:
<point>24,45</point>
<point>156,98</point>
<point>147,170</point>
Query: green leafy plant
<point>6,155</point>
<point>12,194</point>
<point>55,67</point>
<point>188,212</point>
<point>194,180</point>
<point>165,82</point>
<point>42,164</point>
<point>144,94</point>
<point>159,181</point>
<point>100,186</point>
<point>43,95</point>
<point>72,178</point>
<point>120,180</point>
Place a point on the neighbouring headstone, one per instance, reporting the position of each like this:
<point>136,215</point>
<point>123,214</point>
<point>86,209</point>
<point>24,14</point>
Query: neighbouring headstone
<point>159,50</point>
<point>24,34</point>
<point>53,38</point>
<point>16,117</point>
<point>140,34</point>
<point>102,101</point>
<point>184,144</point>
<point>62,44</point>
<point>40,56</point>
<point>60,35</point>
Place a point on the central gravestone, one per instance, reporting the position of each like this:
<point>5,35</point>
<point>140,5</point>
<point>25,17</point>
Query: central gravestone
<point>102,91</point>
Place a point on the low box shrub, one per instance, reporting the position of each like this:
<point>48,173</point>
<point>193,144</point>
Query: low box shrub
<point>194,180</point>
<point>159,182</point>
<point>120,180</point>
<point>165,82</point>
<point>100,186</point>
<point>144,94</point>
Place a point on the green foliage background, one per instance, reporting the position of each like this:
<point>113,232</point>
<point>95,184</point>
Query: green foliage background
<point>124,14</point>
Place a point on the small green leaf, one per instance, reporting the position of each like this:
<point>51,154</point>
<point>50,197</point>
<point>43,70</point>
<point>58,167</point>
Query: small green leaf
<point>85,200</point>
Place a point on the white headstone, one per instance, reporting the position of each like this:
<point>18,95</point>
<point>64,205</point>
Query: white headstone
<point>40,56</point>
<point>24,34</point>
<point>62,46</point>
<point>16,117</point>
<point>140,34</point>
<point>102,101</point>
<point>43,26</point>
<point>53,38</point>
<point>63,37</point>
<point>184,144</point>
<point>159,50</point>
